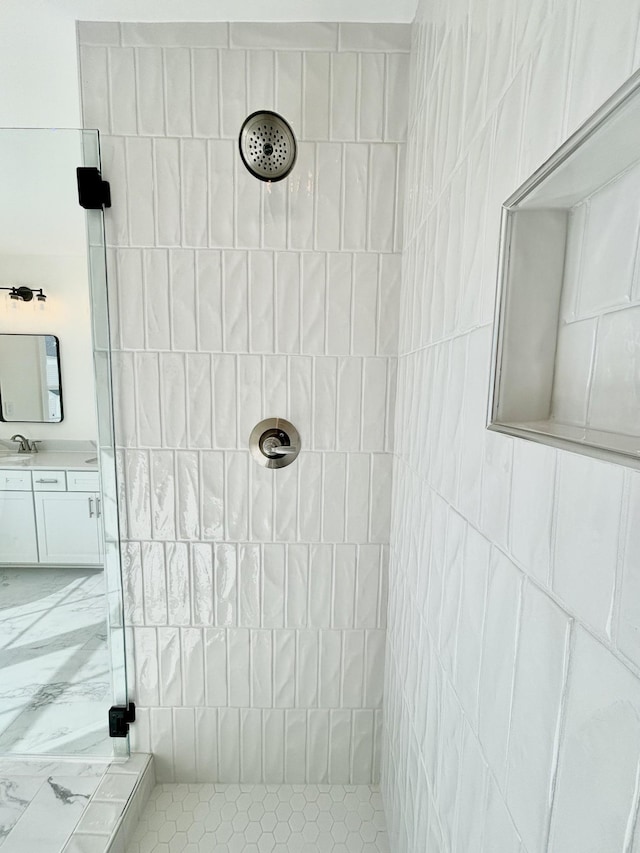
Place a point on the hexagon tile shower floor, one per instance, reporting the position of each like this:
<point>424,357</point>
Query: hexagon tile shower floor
<point>207,818</point>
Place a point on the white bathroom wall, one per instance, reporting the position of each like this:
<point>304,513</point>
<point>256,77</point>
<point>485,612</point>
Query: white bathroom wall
<point>257,598</point>
<point>512,696</point>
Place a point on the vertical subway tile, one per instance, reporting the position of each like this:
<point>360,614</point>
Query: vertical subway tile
<point>251,745</point>
<point>261,302</point>
<point>182,292</point>
<point>374,403</point>
<point>371,118</point>
<point>209,301</point>
<point>138,507</point>
<point>365,317</point>
<point>396,94</point>
<point>193,173</point>
<point>224,401</point>
<point>273,585</point>
<point>188,495</point>
<point>328,214</point>
<point>215,660</point>
<point>334,498</point>
<point>162,737</point>
<point>235,296</point>
<point>140,191</point>
<point>163,498</point>
<point>170,668</point>
<point>382,178</point>
<point>320,582</point>
<point>232,98</point>
<point>302,185</point>
<point>297,586</point>
<point>173,391</point>
<point>318,746</point>
<point>238,653</point>
<point>344,93</point>
<point>167,183</point>
<point>248,208</point>
<point>285,505</point>
<point>260,80</point>
<point>212,484</point>
<point>146,659</point>
<point>362,747</point>
<point>94,70</point>
<point>307,669</point>
<point>295,747</point>
<point>325,386</point>
<point>340,748</point>
<point>289,88</point>
<point>300,397</point>
<point>226,584</point>
<point>330,668</point>
<point>380,497</point>
<point>130,298</point>
<point>355,186</point>
<point>287,302</point>
<point>177,78</point>
<point>202,583</point>
<point>206,724</point>
<point>338,335</point>
<point>206,98</point>
<point>178,585</point>
<point>150,91</point>
<point>352,675</point>
<point>273,736</point>
<point>185,747</point>
<point>156,291</point>
<point>249,400</point>
<point>313,296</point>
<point>192,650</point>
<point>349,403</point>
<point>274,215</point>
<point>221,193</point>
<point>367,585</point>
<point>344,585</point>
<point>310,491</point>
<point>154,583</point>
<point>229,744</point>
<point>249,586</point>
<point>236,509</point>
<point>316,95</point>
<point>199,399</point>
<point>284,650</point>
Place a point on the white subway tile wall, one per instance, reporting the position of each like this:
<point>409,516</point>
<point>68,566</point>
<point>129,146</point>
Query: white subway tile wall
<point>256,599</point>
<point>512,692</point>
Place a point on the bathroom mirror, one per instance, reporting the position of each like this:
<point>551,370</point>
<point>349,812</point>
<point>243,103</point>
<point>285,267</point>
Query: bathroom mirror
<point>30,383</point>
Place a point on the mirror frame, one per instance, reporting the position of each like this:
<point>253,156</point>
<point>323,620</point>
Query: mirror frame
<point>19,420</point>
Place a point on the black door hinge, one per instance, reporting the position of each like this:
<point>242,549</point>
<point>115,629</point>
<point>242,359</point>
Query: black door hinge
<point>119,718</point>
<point>93,192</point>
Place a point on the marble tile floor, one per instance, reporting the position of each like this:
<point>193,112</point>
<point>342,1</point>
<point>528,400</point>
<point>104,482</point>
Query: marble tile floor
<point>55,687</point>
<point>207,818</point>
<point>42,801</point>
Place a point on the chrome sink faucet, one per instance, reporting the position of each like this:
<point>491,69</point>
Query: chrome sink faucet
<point>26,446</point>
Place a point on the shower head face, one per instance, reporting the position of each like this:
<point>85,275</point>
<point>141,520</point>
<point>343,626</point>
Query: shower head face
<point>267,146</point>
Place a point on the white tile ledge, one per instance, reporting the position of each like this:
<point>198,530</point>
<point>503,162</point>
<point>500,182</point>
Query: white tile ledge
<point>114,809</point>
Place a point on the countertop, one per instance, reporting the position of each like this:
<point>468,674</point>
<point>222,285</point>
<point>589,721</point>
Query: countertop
<point>50,460</point>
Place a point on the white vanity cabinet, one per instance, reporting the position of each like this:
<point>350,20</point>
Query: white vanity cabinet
<point>59,518</point>
<point>18,540</point>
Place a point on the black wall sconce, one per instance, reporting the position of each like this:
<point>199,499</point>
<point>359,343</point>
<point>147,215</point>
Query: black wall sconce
<point>25,294</point>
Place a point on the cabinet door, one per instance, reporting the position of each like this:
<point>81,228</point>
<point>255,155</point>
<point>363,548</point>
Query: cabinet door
<point>18,542</point>
<point>68,527</point>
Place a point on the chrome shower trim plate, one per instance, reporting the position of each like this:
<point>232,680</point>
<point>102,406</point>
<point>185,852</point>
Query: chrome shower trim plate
<point>274,443</point>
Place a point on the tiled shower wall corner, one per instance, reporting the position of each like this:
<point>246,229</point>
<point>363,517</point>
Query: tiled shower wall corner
<point>257,599</point>
<point>512,700</point>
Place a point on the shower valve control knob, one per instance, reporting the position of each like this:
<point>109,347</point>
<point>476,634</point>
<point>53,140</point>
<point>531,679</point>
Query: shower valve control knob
<point>274,443</point>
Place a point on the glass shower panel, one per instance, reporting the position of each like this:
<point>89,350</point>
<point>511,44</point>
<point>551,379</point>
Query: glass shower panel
<point>61,612</point>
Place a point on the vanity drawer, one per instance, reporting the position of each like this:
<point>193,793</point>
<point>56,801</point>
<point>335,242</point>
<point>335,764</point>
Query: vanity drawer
<point>15,481</point>
<point>83,481</point>
<point>49,481</point>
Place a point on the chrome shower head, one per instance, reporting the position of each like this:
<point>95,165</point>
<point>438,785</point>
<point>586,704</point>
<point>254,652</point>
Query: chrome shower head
<point>267,146</point>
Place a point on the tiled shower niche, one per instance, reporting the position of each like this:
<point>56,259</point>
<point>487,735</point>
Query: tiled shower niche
<point>567,346</point>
